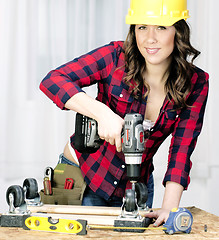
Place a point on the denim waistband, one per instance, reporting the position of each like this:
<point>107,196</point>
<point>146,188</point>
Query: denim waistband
<point>64,160</point>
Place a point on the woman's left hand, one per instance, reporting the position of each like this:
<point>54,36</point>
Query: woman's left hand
<point>160,215</point>
<point>172,196</point>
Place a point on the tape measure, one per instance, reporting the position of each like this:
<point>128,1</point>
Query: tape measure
<point>49,224</point>
<point>180,220</point>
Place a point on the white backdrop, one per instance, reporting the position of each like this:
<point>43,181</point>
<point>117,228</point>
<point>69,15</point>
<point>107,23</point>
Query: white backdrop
<point>39,35</point>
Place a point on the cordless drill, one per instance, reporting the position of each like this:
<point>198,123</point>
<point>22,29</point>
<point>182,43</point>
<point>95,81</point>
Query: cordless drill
<point>133,145</point>
<point>87,140</point>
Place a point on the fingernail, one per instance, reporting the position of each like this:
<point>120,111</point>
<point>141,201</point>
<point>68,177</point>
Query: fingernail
<point>155,225</point>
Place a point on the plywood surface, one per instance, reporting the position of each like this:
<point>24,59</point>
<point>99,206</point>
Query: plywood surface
<point>201,218</point>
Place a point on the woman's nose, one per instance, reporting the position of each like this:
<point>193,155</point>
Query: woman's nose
<point>151,35</point>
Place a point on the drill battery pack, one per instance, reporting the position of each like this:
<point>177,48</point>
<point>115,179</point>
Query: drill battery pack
<point>86,139</point>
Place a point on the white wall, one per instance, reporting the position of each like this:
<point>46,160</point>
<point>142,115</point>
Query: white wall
<point>37,36</point>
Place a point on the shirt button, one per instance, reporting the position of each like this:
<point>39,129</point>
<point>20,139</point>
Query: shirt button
<point>123,166</point>
<point>121,95</point>
<point>115,182</point>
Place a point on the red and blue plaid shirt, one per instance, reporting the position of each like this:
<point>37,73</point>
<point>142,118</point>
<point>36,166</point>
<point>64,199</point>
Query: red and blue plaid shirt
<point>104,171</point>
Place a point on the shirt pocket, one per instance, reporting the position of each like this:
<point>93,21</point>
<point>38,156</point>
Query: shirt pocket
<point>170,118</point>
<point>171,114</point>
<point>120,100</point>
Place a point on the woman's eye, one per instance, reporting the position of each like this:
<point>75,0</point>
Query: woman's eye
<point>162,28</point>
<point>142,27</point>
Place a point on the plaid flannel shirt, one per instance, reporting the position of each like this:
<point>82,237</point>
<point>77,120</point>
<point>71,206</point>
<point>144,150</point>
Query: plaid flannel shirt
<point>105,171</point>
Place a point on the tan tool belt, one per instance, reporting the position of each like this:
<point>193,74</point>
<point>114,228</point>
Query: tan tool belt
<point>61,196</point>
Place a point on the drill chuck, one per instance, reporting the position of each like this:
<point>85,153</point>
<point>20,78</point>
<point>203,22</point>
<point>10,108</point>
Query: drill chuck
<point>133,172</point>
<point>133,165</point>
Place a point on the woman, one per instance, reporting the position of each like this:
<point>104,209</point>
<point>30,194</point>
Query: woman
<point>148,74</point>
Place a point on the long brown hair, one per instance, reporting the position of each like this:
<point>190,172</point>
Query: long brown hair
<point>178,83</point>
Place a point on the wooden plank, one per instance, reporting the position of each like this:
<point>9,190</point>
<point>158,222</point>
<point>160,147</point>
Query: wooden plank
<point>201,218</point>
<point>74,209</point>
<point>94,215</point>
<point>84,210</point>
<point>91,219</point>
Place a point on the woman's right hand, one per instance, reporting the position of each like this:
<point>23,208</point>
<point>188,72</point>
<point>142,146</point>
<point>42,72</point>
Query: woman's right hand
<point>110,127</point>
<point>109,124</point>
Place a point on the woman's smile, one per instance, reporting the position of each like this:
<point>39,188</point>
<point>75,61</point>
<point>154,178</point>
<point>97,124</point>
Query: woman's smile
<point>152,50</point>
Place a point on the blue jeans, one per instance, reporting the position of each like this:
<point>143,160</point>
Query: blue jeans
<point>150,187</point>
<point>64,160</point>
<point>90,198</point>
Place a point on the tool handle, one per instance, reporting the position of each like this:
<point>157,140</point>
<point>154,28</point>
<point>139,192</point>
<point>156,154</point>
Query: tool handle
<point>47,186</point>
<point>69,182</point>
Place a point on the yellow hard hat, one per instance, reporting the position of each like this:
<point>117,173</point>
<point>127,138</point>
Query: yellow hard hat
<point>157,12</point>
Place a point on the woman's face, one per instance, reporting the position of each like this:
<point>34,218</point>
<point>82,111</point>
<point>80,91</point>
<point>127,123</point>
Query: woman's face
<point>155,43</point>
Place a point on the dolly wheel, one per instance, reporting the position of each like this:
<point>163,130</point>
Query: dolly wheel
<point>31,187</point>
<point>18,195</point>
<point>130,204</point>
<point>142,193</point>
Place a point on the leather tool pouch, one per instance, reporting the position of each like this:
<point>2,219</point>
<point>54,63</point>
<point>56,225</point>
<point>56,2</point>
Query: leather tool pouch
<point>60,195</point>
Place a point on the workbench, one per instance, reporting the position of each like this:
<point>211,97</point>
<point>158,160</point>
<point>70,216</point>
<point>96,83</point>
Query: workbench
<point>201,218</point>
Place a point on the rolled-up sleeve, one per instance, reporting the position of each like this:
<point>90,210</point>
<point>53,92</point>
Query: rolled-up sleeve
<point>186,132</point>
<point>67,80</point>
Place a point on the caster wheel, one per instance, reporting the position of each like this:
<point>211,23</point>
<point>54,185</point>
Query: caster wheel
<point>130,204</point>
<point>31,187</point>
<point>18,194</point>
<point>148,221</point>
<point>142,194</point>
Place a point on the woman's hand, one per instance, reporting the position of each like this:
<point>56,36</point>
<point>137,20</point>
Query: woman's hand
<point>109,124</point>
<point>160,215</point>
<point>110,127</point>
<point>172,196</point>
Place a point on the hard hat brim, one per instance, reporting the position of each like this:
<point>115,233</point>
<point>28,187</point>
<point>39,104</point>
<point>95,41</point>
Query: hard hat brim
<point>159,21</point>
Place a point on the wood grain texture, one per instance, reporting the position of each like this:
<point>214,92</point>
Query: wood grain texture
<point>201,218</point>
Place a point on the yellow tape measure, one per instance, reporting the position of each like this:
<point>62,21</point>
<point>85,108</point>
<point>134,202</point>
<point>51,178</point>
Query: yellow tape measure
<point>127,228</point>
<point>54,225</point>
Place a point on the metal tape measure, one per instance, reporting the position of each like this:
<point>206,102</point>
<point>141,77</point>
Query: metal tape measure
<point>180,220</point>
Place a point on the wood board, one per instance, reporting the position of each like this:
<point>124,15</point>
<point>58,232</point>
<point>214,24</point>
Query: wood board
<point>93,214</point>
<point>91,219</point>
<point>201,218</point>
<point>73,209</point>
